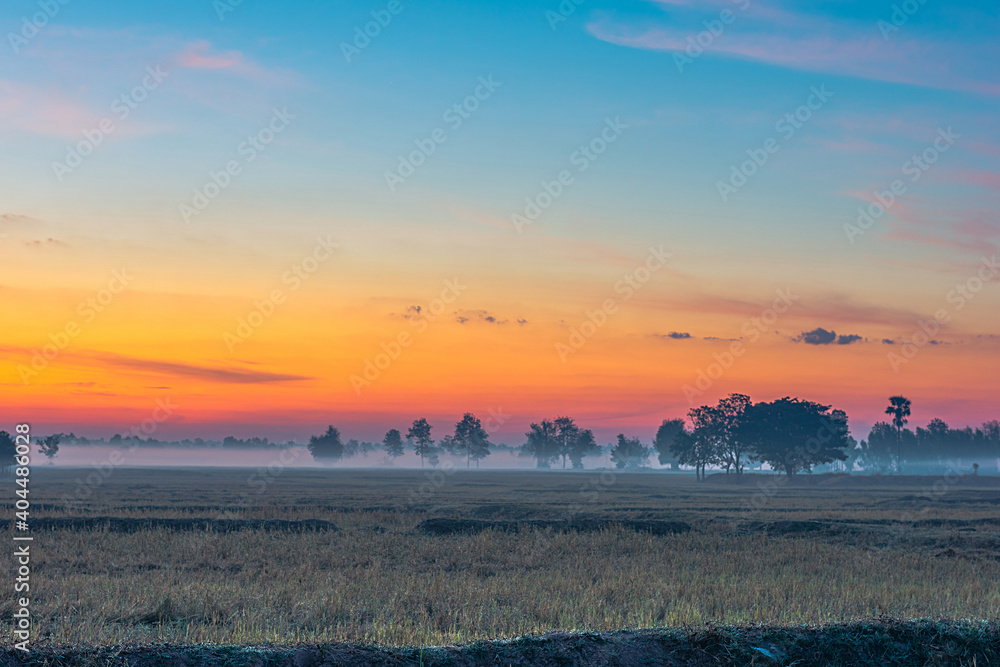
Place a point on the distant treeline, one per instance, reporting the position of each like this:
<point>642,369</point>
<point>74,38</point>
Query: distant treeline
<point>788,435</point>
<point>228,442</point>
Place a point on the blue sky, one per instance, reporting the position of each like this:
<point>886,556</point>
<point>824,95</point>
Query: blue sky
<point>895,75</point>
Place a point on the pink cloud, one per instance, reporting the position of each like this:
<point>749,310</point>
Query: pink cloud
<point>984,179</point>
<point>200,56</point>
<point>44,111</point>
<point>197,56</point>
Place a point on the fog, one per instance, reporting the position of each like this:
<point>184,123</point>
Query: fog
<point>89,456</point>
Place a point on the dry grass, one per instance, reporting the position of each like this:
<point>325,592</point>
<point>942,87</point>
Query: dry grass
<point>379,580</point>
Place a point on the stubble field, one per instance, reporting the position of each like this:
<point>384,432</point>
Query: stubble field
<point>423,558</point>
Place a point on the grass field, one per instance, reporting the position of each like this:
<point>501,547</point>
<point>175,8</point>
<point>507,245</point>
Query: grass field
<point>408,558</point>
<point>523,553</point>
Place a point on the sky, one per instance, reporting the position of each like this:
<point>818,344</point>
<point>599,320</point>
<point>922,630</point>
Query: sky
<point>257,218</point>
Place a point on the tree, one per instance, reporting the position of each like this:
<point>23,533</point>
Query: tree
<point>393,442</point>
<point>567,434</point>
<point>420,435</point>
<point>352,448</point>
<point>50,446</point>
<point>692,449</point>
<point>732,446</point>
<point>543,443</point>
<point>471,438</point>
<point>708,432</point>
<point>899,408</point>
<point>876,452</point>
<point>327,446</point>
<point>8,450</point>
<point>991,430</point>
<point>793,435</point>
<point>629,453</point>
<point>584,445</point>
<point>668,433</point>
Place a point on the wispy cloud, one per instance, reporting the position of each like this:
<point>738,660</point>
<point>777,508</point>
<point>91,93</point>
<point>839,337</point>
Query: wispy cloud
<point>199,56</point>
<point>225,375</point>
<point>66,109</point>
<point>210,373</point>
<point>769,34</point>
<point>836,307</point>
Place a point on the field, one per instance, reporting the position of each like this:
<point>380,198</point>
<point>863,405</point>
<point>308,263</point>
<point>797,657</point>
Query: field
<point>410,558</point>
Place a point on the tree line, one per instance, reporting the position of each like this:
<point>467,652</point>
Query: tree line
<point>789,435</point>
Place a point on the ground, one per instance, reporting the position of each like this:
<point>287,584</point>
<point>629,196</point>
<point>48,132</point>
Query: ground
<point>384,558</point>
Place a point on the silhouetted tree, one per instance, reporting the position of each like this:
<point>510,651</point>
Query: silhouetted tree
<point>876,452</point>
<point>49,446</point>
<point>991,430</point>
<point>8,450</point>
<point>420,435</point>
<point>790,434</point>
<point>955,446</point>
<point>666,436</point>
<point>583,445</point>
<point>567,433</point>
<point>629,453</point>
<point>393,442</point>
<point>352,448</point>
<point>543,443</point>
<point>327,446</point>
<point>732,447</point>
<point>899,408</point>
<point>471,438</point>
<point>708,433</point>
<point>691,451</point>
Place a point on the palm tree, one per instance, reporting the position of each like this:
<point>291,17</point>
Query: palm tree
<point>899,408</point>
